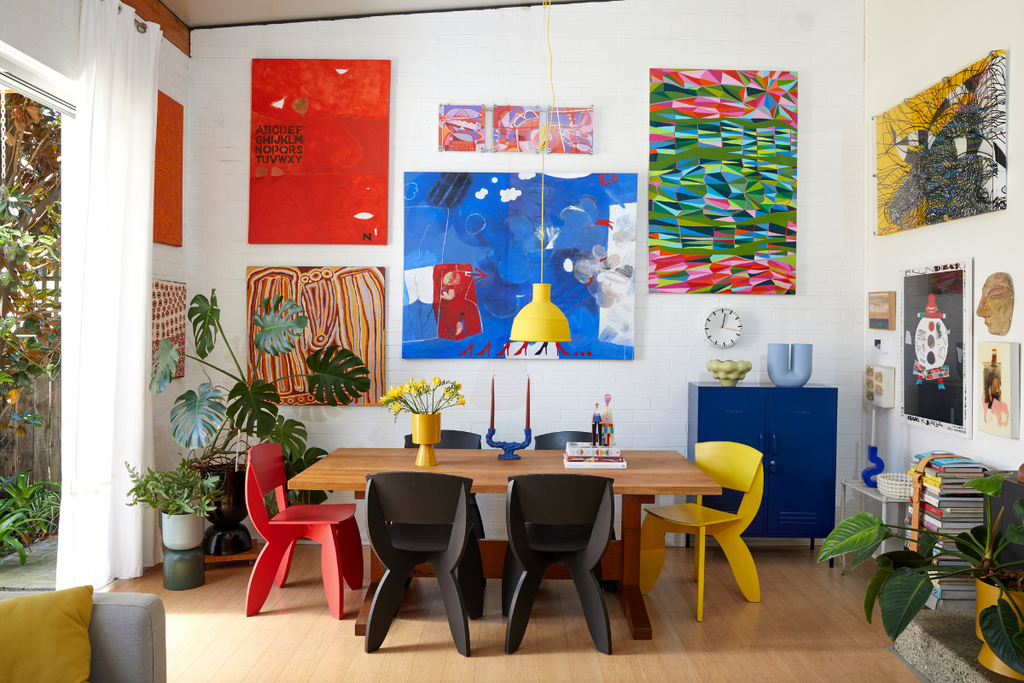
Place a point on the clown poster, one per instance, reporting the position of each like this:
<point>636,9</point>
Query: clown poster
<point>936,314</point>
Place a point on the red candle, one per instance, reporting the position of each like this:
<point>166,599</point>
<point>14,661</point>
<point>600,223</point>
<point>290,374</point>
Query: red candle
<point>527,402</point>
<point>492,403</point>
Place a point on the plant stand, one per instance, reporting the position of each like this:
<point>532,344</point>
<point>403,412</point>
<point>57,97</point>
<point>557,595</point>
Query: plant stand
<point>184,569</point>
<point>228,536</point>
<point>870,492</point>
<point>249,556</point>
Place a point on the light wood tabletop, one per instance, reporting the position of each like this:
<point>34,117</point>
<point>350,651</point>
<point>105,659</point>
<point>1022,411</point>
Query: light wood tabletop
<point>647,472</point>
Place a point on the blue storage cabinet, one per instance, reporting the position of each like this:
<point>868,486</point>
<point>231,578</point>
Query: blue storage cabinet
<point>795,429</point>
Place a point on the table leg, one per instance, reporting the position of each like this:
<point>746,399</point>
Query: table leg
<point>629,591</point>
<point>376,574</point>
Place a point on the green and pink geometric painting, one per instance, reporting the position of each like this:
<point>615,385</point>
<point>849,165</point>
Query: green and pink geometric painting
<point>722,194</point>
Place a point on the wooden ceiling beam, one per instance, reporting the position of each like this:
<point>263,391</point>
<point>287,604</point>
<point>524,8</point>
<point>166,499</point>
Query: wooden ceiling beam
<point>174,28</point>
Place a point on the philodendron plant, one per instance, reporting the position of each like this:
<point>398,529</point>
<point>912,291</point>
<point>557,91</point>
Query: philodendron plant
<point>220,418</point>
<point>903,578</point>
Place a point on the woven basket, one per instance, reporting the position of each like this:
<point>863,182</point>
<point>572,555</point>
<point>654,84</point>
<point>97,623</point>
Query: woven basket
<point>895,485</point>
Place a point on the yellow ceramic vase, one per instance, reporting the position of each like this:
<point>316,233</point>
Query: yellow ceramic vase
<point>426,431</point>
<point>986,596</point>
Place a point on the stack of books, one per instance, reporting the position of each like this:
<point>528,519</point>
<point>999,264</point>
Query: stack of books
<point>582,455</point>
<point>947,506</point>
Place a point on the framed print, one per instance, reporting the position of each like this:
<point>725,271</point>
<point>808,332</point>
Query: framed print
<point>936,315</point>
<point>882,310</point>
<point>999,389</point>
<point>880,386</point>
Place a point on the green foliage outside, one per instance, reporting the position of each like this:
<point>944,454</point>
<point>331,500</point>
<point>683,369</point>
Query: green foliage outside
<point>28,512</point>
<point>30,249</point>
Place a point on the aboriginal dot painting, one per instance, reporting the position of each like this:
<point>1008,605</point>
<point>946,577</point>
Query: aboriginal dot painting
<point>345,306</point>
<point>169,319</point>
<point>722,193</point>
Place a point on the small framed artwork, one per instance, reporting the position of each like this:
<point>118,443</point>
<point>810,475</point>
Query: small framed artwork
<point>999,389</point>
<point>460,128</point>
<point>880,386</point>
<point>936,315</point>
<point>882,310</point>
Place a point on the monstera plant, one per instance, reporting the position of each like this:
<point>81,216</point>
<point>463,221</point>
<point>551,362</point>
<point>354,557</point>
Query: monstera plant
<point>221,419</point>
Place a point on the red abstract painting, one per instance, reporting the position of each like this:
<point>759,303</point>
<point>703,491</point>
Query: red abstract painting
<point>318,171</point>
<point>170,126</point>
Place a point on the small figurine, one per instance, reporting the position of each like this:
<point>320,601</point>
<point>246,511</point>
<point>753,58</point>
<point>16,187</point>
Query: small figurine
<point>609,422</point>
<point>595,427</point>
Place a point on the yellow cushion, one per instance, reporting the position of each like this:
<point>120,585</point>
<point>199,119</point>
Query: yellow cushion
<point>45,637</point>
<point>691,514</point>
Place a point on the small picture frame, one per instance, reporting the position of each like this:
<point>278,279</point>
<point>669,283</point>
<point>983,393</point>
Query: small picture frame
<point>880,386</point>
<point>882,310</point>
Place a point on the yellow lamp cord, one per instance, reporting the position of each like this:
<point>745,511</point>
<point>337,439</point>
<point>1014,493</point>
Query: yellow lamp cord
<point>544,132</point>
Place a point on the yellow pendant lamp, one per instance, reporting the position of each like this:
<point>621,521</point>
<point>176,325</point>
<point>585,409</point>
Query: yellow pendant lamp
<point>540,320</point>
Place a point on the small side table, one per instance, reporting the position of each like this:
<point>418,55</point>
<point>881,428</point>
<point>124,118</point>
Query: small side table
<point>862,488</point>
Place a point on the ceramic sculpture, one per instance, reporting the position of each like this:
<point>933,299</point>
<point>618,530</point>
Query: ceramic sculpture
<point>728,372</point>
<point>789,366</point>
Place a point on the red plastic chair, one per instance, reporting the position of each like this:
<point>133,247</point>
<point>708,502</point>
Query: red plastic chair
<point>333,526</point>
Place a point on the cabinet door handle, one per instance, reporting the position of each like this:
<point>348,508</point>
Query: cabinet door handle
<point>771,467</point>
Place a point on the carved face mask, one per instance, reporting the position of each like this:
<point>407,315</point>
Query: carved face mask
<point>996,305</point>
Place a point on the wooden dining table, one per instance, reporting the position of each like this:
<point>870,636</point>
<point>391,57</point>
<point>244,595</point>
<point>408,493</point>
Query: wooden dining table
<point>648,473</point>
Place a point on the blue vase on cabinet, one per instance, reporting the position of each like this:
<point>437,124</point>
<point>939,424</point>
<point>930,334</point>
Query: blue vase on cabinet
<point>795,429</point>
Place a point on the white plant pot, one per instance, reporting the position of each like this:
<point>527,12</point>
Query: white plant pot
<point>182,532</point>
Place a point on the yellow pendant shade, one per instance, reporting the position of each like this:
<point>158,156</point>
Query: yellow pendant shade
<point>540,320</point>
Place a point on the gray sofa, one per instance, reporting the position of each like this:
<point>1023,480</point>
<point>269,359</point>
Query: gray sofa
<point>127,637</point>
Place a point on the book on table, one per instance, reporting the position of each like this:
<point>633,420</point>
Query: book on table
<point>594,463</point>
<point>949,464</point>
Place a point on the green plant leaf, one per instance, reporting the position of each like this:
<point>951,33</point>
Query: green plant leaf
<point>992,484</point>
<point>980,535</point>
<point>291,434</point>
<point>864,553</point>
<point>1000,629</point>
<point>165,363</point>
<point>337,376</point>
<point>1015,533</point>
<point>252,408</point>
<point>965,544</point>
<point>278,326</point>
<point>1018,509</point>
<point>905,558</point>
<point>926,543</point>
<point>883,572</point>
<point>204,315</point>
<point>850,535</point>
<point>902,596</point>
<point>196,415</point>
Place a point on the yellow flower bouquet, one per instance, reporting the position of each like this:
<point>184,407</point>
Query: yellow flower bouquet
<point>423,397</point>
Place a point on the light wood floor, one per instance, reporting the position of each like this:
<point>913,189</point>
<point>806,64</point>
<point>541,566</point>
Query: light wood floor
<point>809,627</point>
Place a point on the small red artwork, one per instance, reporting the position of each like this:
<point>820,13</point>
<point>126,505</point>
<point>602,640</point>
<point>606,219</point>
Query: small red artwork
<point>170,118</point>
<point>319,151</point>
<point>169,318</point>
<point>456,309</point>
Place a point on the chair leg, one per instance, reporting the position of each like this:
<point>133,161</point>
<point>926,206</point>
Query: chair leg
<point>699,564</point>
<point>327,537</point>
<point>742,563</point>
<point>588,587</point>
<point>285,566</point>
<point>350,553</point>
<point>511,572</point>
<point>455,608</point>
<point>385,605</point>
<point>652,551</point>
<point>262,576</point>
<point>470,573</point>
<point>520,608</point>
<point>698,557</point>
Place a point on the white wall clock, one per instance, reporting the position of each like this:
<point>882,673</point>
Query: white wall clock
<point>722,327</point>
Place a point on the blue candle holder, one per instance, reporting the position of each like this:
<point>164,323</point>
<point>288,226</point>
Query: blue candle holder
<point>876,468</point>
<point>509,449</point>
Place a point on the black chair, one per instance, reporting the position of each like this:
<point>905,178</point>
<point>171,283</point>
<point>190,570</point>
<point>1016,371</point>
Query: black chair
<point>416,517</point>
<point>555,441</point>
<point>563,518</point>
<point>454,438</point>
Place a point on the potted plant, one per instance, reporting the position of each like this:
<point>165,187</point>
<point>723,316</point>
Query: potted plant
<point>903,578</point>
<point>221,420</point>
<point>181,495</point>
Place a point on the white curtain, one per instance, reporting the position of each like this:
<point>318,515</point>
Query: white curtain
<point>106,288</point>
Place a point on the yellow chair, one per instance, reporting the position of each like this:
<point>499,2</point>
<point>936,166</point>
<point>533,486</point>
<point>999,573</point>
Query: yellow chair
<point>732,466</point>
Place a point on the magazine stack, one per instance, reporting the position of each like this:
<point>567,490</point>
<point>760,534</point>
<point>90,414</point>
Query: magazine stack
<point>948,507</point>
<point>582,455</point>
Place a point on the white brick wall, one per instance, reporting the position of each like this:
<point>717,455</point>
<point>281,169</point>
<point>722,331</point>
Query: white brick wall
<point>602,55</point>
<point>46,30</point>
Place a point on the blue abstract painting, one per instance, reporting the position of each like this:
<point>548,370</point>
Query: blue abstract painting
<point>473,252</point>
